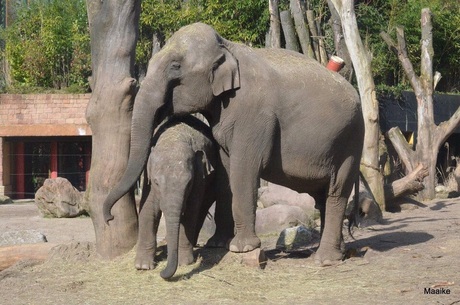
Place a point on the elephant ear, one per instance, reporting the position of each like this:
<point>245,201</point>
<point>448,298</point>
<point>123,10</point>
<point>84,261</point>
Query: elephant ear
<point>225,74</point>
<point>202,162</point>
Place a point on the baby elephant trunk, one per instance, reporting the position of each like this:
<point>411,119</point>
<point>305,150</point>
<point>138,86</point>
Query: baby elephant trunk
<point>172,213</point>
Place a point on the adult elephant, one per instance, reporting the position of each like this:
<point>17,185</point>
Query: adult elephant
<point>276,114</point>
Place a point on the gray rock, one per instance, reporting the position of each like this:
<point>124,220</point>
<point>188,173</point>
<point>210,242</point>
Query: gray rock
<point>21,237</point>
<point>296,237</point>
<point>276,194</point>
<point>273,219</point>
<point>5,199</point>
<point>58,198</point>
<point>278,217</point>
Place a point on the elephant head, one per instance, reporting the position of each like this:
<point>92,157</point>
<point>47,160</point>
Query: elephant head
<point>192,68</point>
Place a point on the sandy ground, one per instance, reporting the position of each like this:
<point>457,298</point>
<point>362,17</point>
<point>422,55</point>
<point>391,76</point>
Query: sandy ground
<point>414,252</point>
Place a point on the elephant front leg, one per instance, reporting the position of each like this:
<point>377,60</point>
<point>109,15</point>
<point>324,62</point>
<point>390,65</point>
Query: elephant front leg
<point>251,149</point>
<point>244,184</point>
<point>149,219</point>
<point>244,177</point>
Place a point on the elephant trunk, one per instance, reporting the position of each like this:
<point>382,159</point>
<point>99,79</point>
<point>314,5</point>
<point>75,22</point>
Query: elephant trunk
<point>146,116</point>
<point>172,218</point>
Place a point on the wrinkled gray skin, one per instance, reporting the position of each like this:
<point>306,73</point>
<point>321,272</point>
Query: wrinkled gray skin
<point>178,182</point>
<point>276,114</point>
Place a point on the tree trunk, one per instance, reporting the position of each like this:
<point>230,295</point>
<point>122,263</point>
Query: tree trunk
<point>113,31</point>
<point>321,44</point>
<point>430,136</point>
<point>314,33</point>
<point>301,28</point>
<point>362,64</point>
<point>275,27</point>
<point>289,31</point>
<point>339,42</point>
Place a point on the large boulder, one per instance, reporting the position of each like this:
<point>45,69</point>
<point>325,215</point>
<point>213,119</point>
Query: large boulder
<point>276,194</point>
<point>278,217</point>
<point>5,199</point>
<point>58,198</point>
<point>278,208</point>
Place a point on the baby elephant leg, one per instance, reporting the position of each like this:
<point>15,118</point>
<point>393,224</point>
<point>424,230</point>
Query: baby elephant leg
<point>149,219</point>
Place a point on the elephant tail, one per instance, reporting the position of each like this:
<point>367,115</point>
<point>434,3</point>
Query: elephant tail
<point>352,217</point>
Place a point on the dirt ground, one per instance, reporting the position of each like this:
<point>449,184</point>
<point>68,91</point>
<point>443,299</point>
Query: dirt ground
<point>397,262</point>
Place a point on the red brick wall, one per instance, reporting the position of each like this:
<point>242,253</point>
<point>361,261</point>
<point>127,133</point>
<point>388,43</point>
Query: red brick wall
<point>19,109</point>
<point>49,114</point>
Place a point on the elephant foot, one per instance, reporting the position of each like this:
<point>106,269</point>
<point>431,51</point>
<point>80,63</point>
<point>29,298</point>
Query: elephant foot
<point>186,256</point>
<point>244,243</point>
<point>218,241</point>
<point>145,260</point>
<point>328,257</point>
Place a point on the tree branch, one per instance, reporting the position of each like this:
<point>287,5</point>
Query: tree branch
<point>409,184</point>
<point>400,50</point>
<point>402,148</point>
<point>445,129</point>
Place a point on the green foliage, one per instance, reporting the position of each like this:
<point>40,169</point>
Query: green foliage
<point>48,45</point>
<point>242,21</point>
<point>387,15</point>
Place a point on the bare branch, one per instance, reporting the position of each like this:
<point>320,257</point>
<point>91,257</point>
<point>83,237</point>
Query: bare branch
<point>402,46</point>
<point>390,42</point>
<point>408,185</point>
<point>403,149</point>
<point>445,129</point>
<point>400,50</point>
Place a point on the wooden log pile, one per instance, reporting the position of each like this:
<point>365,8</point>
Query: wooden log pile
<point>300,28</point>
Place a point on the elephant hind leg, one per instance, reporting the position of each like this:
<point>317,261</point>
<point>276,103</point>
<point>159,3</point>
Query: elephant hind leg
<point>330,250</point>
<point>332,246</point>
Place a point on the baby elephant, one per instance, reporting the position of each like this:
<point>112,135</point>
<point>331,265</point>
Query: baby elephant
<point>178,181</point>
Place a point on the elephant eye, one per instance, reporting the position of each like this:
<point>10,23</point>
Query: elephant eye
<point>175,65</point>
<point>174,70</point>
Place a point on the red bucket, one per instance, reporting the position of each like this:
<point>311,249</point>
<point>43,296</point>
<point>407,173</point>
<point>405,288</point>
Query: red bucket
<point>335,63</point>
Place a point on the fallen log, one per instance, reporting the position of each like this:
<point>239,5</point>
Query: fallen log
<point>9,255</point>
<point>407,185</point>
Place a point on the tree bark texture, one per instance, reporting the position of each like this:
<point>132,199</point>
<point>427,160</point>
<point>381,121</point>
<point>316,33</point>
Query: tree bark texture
<point>301,27</point>
<point>275,26</point>
<point>408,185</point>
<point>321,44</point>
<point>430,136</point>
<point>339,42</point>
<point>288,27</point>
<point>113,31</point>
<point>362,64</point>
<point>314,33</point>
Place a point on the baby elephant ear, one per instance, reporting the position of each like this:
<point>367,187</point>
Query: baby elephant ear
<point>225,74</point>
